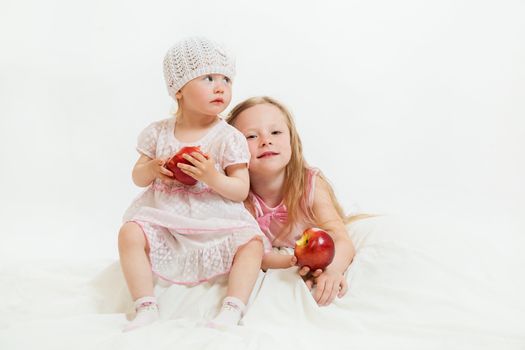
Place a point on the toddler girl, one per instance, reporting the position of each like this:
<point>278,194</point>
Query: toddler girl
<point>189,234</point>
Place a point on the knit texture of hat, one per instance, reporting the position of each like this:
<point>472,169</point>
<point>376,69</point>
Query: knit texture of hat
<point>193,57</point>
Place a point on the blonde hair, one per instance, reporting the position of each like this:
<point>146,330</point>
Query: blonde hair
<point>296,171</point>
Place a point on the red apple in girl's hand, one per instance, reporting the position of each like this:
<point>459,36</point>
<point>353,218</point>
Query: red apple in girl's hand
<point>171,164</point>
<point>314,249</point>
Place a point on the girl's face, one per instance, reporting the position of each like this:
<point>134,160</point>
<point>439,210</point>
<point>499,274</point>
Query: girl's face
<point>208,94</point>
<point>268,136</point>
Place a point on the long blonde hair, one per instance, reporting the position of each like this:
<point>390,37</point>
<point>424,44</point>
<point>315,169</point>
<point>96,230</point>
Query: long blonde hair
<point>296,171</point>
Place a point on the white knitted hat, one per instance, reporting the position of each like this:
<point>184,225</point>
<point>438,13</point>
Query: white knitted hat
<point>193,57</point>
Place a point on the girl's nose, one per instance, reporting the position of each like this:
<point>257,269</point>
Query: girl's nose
<point>218,88</point>
<point>219,85</point>
<point>265,142</point>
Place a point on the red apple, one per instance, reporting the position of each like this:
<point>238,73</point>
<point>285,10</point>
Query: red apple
<point>171,164</point>
<point>314,249</point>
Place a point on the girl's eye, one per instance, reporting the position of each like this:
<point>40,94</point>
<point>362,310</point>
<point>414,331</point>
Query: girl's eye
<point>248,137</point>
<point>227,80</point>
<point>277,132</point>
<point>208,78</point>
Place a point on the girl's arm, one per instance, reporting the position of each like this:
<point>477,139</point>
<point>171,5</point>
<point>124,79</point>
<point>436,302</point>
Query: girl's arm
<point>329,220</point>
<point>273,260</point>
<point>233,186</point>
<point>331,282</point>
<point>146,170</point>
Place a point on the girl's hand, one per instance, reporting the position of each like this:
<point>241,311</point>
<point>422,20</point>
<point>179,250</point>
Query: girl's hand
<point>203,169</point>
<point>156,167</point>
<point>305,270</point>
<point>329,285</point>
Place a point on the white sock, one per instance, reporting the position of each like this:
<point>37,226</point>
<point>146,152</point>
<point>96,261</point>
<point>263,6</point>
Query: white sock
<point>230,314</point>
<point>147,313</point>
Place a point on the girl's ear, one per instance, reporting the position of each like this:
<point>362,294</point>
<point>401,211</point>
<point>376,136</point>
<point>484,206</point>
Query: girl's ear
<point>178,95</point>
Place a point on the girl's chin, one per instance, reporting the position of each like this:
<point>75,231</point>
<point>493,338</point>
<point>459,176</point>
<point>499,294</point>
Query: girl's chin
<point>266,170</point>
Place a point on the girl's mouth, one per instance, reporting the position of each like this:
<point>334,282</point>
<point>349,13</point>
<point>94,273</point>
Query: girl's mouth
<point>267,154</point>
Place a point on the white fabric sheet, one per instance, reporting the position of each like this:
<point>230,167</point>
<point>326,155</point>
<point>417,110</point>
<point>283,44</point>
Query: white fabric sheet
<point>417,282</point>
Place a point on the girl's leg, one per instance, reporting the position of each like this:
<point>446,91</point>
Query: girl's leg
<point>133,251</point>
<point>242,278</point>
<point>245,270</point>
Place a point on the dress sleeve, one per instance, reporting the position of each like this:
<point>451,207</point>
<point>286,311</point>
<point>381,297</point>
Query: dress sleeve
<point>147,140</point>
<point>236,150</point>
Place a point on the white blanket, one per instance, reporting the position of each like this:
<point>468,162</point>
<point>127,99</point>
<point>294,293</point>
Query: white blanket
<point>415,283</point>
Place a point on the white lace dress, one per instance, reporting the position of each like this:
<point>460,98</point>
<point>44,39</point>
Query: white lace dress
<point>192,231</point>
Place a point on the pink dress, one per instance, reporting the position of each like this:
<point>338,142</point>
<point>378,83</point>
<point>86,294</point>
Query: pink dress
<point>193,232</point>
<point>273,220</point>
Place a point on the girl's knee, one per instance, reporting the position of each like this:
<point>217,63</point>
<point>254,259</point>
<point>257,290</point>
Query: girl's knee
<point>131,234</point>
<point>255,246</point>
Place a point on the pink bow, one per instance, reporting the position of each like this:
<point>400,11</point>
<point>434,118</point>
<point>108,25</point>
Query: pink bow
<point>280,214</point>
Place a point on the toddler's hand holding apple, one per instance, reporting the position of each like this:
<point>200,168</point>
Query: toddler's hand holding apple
<point>181,172</point>
<point>158,170</point>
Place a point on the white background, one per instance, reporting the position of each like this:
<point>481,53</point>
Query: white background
<point>407,106</point>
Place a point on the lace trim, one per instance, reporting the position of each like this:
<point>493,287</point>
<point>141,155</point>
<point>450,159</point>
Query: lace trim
<point>196,266</point>
<point>156,186</point>
<point>147,306</point>
<point>228,305</point>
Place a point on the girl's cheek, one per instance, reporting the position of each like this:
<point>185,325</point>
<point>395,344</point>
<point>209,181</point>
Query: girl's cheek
<point>252,149</point>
